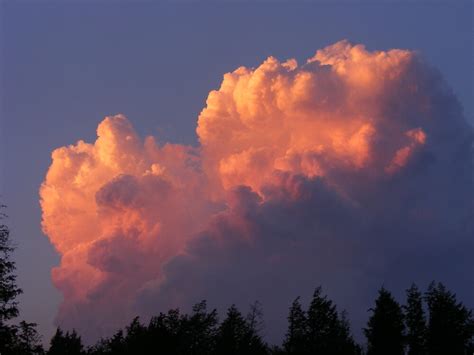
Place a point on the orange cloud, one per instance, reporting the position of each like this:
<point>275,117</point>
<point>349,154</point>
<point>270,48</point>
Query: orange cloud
<point>105,202</point>
<point>326,114</point>
<point>119,210</point>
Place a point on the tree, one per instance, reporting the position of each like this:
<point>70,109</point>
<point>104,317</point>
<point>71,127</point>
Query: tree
<point>8,289</point>
<point>327,333</point>
<point>296,339</point>
<point>199,330</point>
<point>66,344</point>
<point>347,344</point>
<point>385,329</point>
<point>113,346</point>
<point>415,322</point>
<point>235,336</point>
<point>136,338</point>
<point>255,317</point>
<point>28,341</point>
<point>166,332</point>
<point>451,325</point>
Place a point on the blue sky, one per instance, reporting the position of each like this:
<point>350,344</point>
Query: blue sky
<point>64,66</point>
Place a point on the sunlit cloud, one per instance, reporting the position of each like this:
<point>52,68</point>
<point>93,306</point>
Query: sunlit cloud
<point>342,170</point>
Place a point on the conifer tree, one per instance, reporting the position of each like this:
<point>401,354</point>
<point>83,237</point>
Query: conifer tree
<point>415,322</point>
<point>296,336</point>
<point>136,337</point>
<point>8,290</point>
<point>385,329</point>
<point>14,339</point>
<point>235,337</point>
<point>255,318</point>
<point>348,346</point>
<point>66,343</point>
<point>322,323</point>
<point>451,324</point>
<point>199,330</point>
<point>327,332</point>
<point>255,326</point>
<point>27,339</point>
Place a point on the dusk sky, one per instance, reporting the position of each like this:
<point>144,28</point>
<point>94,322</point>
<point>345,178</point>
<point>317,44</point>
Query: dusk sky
<point>350,166</point>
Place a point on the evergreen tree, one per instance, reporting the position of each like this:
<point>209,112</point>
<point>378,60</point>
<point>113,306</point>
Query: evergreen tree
<point>255,318</point>
<point>8,290</point>
<point>255,327</point>
<point>136,339</point>
<point>321,330</point>
<point>113,346</point>
<point>451,325</point>
<point>347,343</point>
<point>415,322</point>
<point>166,332</point>
<point>327,333</point>
<point>296,336</point>
<point>199,330</point>
<point>385,328</point>
<point>116,344</point>
<point>22,339</point>
<point>66,344</point>
<point>28,341</point>
<point>322,323</point>
<point>235,337</point>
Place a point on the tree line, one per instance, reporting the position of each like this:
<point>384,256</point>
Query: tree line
<point>433,322</point>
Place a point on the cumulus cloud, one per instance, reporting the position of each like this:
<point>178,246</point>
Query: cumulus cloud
<point>346,171</point>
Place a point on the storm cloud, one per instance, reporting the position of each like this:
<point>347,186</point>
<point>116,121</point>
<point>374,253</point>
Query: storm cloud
<point>351,170</point>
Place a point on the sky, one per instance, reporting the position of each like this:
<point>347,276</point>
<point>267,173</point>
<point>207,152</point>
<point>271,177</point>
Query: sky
<point>65,66</point>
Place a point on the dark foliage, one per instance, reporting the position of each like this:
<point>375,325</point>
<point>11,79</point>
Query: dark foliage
<point>66,344</point>
<point>21,339</point>
<point>295,340</point>
<point>385,329</point>
<point>8,288</point>
<point>451,324</point>
<point>198,334</point>
<point>415,322</point>
<point>320,330</point>
<point>237,335</point>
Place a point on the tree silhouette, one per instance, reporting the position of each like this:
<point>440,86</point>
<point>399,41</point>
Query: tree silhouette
<point>8,289</point>
<point>136,338</point>
<point>235,336</point>
<point>385,328</point>
<point>327,333</point>
<point>28,341</point>
<point>170,333</point>
<point>14,339</point>
<point>115,345</point>
<point>415,322</point>
<point>255,317</point>
<point>320,330</point>
<point>296,337</point>
<point>166,328</point>
<point>66,344</point>
<point>347,344</point>
<point>199,330</point>
<point>451,325</point>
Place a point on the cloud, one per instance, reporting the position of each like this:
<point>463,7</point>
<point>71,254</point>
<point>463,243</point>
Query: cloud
<point>346,171</point>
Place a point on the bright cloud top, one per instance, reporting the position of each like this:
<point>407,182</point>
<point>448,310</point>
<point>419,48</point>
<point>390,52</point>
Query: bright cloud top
<point>324,157</point>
